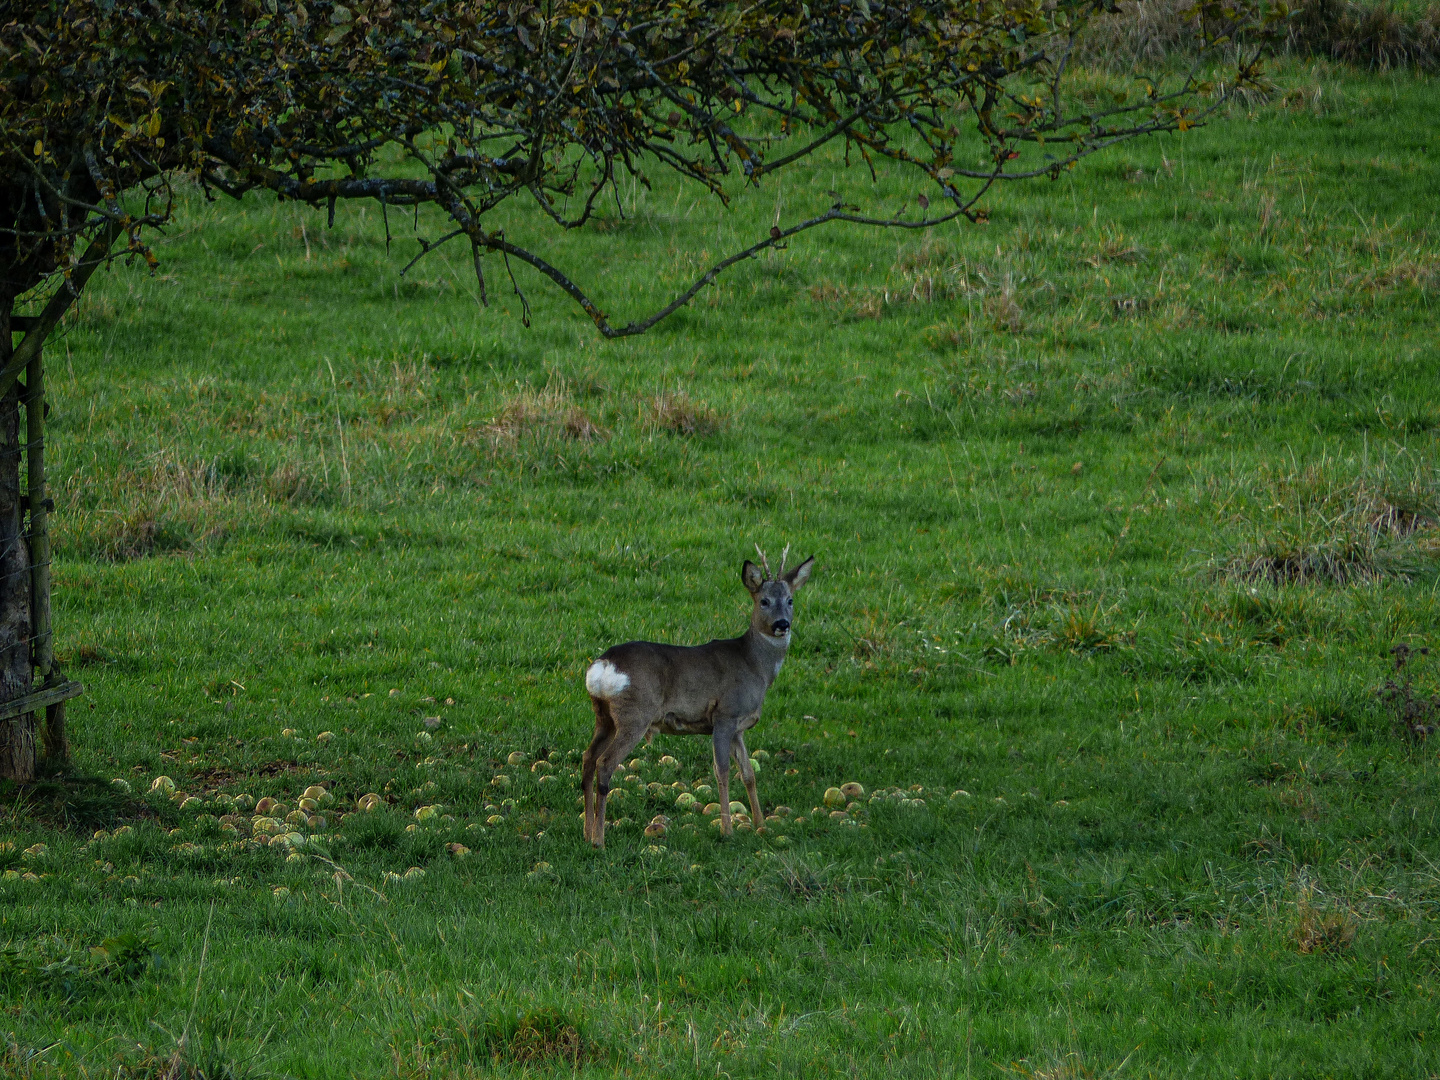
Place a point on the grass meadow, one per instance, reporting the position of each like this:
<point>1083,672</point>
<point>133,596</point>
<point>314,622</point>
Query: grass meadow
<point>1119,504</point>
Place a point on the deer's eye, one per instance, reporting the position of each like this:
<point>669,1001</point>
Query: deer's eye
<point>764,603</point>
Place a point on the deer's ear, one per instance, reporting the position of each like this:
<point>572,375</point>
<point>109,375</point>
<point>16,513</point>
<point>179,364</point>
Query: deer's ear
<point>752,576</point>
<point>801,574</point>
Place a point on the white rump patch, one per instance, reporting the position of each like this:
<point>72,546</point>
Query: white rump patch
<point>604,680</point>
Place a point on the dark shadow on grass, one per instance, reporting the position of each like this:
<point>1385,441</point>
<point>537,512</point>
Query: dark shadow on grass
<point>67,800</point>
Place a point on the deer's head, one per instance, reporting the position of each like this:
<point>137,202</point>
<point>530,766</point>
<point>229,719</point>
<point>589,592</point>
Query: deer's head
<point>774,596</point>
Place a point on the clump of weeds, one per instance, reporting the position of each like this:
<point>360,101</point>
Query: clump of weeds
<point>1416,712</point>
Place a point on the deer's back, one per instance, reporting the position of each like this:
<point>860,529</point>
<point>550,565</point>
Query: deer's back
<point>684,685</point>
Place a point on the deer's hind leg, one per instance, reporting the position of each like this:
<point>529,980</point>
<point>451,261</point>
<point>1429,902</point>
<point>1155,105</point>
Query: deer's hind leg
<point>604,735</point>
<point>630,723</point>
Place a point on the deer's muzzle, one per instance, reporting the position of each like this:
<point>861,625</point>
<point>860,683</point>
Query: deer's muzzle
<point>781,627</point>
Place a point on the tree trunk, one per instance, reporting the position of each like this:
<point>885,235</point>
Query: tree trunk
<point>17,736</point>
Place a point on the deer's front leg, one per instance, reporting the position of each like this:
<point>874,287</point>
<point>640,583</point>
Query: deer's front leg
<point>721,742</point>
<point>747,774</point>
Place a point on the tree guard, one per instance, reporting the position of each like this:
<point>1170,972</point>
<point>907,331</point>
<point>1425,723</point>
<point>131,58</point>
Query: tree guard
<point>31,682</point>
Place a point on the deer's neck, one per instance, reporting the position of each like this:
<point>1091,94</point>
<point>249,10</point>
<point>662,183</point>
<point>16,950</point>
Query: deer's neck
<point>766,652</point>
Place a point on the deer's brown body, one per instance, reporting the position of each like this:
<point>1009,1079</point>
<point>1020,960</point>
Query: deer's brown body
<point>715,689</point>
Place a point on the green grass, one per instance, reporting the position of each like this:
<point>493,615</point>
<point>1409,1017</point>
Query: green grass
<point>1118,503</point>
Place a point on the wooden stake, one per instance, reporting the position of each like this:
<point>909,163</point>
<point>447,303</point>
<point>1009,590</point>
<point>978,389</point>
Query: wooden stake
<point>17,731</point>
<point>42,640</point>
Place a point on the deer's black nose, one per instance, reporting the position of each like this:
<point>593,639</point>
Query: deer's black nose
<point>781,625</point>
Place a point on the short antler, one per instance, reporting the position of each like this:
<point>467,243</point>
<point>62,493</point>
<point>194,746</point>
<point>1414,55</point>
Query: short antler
<point>783,556</point>
<point>764,561</point>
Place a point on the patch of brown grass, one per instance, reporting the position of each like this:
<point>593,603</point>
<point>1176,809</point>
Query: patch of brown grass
<point>1380,36</point>
<point>290,482</point>
<point>1080,630</point>
<point>1004,310</point>
<point>166,475</point>
<point>877,638</point>
<point>1070,1067</point>
<point>537,1039</point>
<point>848,302</point>
<point>544,414</point>
<point>1137,32</point>
<point>927,273</point>
<point>1420,273</point>
<point>1318,931</point>
<point>1308,98</point>
<point>1115,247</point>
<point>677,413</point>
<point>1341,530</point>
<point>86,655</point>
<point>930,272</point>
<point>138,534</point>
<point>542,1039</point>
<point>1295,562</point>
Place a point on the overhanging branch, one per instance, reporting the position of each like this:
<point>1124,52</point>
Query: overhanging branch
<point>95,254</point>
<point>777,236</point>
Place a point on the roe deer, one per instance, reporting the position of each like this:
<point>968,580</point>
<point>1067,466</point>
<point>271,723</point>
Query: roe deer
<point>715,689</point>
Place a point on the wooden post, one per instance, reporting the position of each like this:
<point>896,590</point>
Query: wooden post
<point>31,682</point>
<point>17,732</point>
<point>42,640</point>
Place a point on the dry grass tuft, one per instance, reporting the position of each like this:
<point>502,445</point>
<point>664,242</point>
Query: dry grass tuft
<point>1004,310</point>
<point>1356,561</point>
<point>542,1039</point>
<point>927,273</point>
<point>1379,36</point>
<point>877,638</point>
<point>677,413</point>
<point>848,302</point>
<point>1419,273</point>
<point>930,272</point>
<point>1342,530</point>
<point>544,415</point>
<point>1079,630</point>
<point>1115,247</point>
<point>292,483</point>
<point>1322,931</point>
<point>138,534</point>
<point>1137,32</point>
<point>536,1039</point>
<point>1070,1067</point>
<point>1308,98</point>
